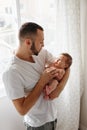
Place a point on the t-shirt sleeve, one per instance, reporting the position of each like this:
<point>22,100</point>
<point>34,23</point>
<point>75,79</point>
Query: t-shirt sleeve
<point>13,84</point>
<point>49,57</point>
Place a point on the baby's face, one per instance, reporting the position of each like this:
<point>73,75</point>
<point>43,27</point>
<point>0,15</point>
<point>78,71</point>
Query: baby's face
<point>61,62</point>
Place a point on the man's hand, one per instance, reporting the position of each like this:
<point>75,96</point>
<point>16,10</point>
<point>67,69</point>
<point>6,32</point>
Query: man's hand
<point>48,74</point>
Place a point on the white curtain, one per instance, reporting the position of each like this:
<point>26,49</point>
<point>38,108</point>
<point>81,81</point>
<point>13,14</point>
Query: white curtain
<point>68,36</point>
<point>61,22</point>
<point>83,118</point>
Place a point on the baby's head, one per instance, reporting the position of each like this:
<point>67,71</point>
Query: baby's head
<point>64,61</point>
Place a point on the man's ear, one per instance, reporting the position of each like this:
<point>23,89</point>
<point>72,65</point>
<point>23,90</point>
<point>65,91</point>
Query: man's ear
<point>28,41</point>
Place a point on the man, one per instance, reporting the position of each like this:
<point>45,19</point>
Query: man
<point>26,77</point>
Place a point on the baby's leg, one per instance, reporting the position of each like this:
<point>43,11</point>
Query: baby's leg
<point>51,86</point>
<point>45,94</point>
<point>46,97</point>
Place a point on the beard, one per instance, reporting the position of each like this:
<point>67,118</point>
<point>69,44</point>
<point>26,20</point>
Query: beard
<point>34,50</point>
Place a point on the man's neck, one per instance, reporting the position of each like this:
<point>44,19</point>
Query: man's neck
<point>24,56</point>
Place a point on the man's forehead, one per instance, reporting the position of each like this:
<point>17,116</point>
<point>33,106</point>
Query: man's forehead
<point>40,34</point>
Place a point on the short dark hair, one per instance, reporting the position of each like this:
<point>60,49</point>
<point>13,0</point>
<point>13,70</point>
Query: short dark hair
<point>28,29</point>
<point>69,58</point>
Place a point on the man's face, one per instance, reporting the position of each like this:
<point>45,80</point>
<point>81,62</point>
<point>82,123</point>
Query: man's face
<point>38,43</point>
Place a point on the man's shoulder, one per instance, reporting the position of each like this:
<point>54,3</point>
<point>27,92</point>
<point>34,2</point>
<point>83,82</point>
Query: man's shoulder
<point>47,55</point>
<point>44,52</point>
<point>10,73</point>
<point>9,67</point>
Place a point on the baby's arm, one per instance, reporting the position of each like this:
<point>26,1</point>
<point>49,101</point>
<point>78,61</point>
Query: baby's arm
<point>60,75</point>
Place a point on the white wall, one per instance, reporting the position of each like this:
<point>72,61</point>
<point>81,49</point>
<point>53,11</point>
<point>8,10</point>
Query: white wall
<point>9,117</point>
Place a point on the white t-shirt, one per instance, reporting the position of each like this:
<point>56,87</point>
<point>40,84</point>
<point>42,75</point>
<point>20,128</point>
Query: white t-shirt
<point>21,77</point>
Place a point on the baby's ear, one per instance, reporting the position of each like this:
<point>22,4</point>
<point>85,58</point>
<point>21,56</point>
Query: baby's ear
<point>66,65</point>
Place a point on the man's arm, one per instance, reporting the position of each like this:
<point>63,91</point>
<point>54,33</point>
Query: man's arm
<point>60,86</point>
<point>23,105</point>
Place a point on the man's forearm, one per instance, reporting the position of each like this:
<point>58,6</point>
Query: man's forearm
<point>23,105</point>
<point>63,82</point>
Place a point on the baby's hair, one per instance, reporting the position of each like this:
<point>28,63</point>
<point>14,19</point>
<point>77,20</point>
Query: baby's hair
<point>69,58</point>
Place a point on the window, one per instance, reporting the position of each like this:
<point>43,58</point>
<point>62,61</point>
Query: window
<point>42,12</point>
<point>13,13</point>
<point>8,32</point>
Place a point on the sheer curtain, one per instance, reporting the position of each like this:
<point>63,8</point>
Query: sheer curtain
<point>83,118</point>
<point>61,22</point>
<point>68,39</point>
